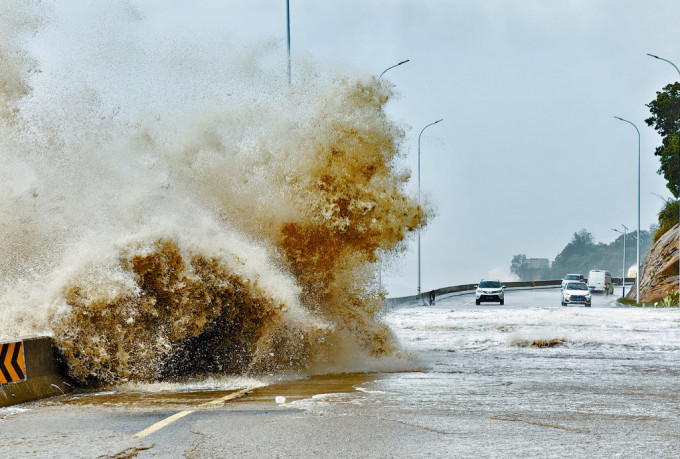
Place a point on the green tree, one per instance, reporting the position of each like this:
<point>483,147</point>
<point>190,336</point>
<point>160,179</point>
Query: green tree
<point>668,217</point>
<point>577,256</point>
<point>582,254</point>
<point>583,238</point>
<point>665,119</point>
<point>519,265</point>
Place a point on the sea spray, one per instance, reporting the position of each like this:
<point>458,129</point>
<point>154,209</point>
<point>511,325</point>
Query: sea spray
<point>169,211</point>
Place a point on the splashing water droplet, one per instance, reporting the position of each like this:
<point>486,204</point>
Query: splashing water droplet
<point>232,228</point>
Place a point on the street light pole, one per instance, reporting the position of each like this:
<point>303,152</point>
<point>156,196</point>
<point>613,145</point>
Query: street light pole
<point>678,70</point>
<point>419,135</point>
<point>379,263</point>
<point>395,65</point>
<point>623,270</point>
<point>637,274</point>
<point>288,35</point>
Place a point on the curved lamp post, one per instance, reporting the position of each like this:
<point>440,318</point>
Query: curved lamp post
<point>395,65</point>
<point>419,135</point>
<point>665,60</point>
<point>678,70</point>
<point>637,274</point>
<point>623,270</point>
<point>288,34</point>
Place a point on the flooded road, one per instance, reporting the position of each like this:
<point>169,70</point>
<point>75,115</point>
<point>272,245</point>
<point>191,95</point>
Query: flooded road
<point>530,378</point>
<point>535,378</point>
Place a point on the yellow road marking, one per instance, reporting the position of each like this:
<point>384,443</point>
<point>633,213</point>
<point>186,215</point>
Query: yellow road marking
<point>231,396</point>
<point>160,424</point>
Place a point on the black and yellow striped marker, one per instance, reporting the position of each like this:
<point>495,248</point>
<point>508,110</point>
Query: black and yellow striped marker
<point>12,364</point>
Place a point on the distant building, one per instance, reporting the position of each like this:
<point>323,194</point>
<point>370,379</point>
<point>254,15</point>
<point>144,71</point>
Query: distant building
<point>536,269</point>
<point>538,263</point>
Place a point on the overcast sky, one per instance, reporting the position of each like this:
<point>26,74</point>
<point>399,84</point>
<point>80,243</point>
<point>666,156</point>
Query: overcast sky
<point>529,151</point>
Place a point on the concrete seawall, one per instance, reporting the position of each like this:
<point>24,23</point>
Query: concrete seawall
<point>31,370</point>
<point>391,302</point>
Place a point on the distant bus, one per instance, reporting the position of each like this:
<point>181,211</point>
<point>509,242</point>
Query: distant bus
<point>600,281</point>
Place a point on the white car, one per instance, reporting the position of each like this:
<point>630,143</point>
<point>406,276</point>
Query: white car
<point>490,290</point>
<point>573,278</point>
<point>576,292</point>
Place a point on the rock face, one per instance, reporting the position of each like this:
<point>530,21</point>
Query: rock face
<point>660,271</point>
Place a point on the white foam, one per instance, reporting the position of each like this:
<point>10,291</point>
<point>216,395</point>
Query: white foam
<point>188,385</point>
<point>11,410</point>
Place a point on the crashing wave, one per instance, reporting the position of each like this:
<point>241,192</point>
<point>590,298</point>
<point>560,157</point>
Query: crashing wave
<point>163,220</point>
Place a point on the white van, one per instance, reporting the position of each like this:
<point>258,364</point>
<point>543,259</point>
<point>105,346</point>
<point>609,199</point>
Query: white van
<point>600,281</point>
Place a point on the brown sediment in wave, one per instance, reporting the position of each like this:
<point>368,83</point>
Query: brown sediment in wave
<point>539,342</point>
<point>185,314</point>
<point>189,313</point>
<point>355,207</point>
<point>297,184</point>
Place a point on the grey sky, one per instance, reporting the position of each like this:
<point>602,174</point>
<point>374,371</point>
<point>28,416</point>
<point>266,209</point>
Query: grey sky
<point>529,151</point>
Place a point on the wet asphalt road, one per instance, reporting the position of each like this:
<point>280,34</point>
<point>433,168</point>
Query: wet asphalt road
<point>527,379</point>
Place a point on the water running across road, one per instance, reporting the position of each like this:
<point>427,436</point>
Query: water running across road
<point>530,378</point>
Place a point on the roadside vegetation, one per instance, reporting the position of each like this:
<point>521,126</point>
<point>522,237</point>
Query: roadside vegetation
<point>668,301</point>
<point>668,217</point>
<point>582,254</point>
<point>665,119</point>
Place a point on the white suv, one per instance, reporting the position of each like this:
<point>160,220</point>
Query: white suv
<point>572,278</point>
<point>576,292</point>
<point>490,290</point>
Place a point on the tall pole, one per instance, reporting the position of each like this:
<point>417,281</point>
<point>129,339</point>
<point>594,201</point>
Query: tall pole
<point>395,65</point>
<point>637,274</point>
<point>419,135</point>
<point>288,35</point>
<point>623,269</point>
<point>623,281</point>
<point>678,70</point>
<point>380,262</point>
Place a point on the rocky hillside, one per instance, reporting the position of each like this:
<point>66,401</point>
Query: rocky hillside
<point>660,272</point>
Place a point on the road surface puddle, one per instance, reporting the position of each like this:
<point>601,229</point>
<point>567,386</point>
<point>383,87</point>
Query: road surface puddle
<point>291,390</point>
<point>308,387</point>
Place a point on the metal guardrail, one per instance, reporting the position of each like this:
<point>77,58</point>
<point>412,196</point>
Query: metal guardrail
<point>425,296</point>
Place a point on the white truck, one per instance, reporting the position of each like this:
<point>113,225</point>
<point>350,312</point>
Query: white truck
<point>600,281</point>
